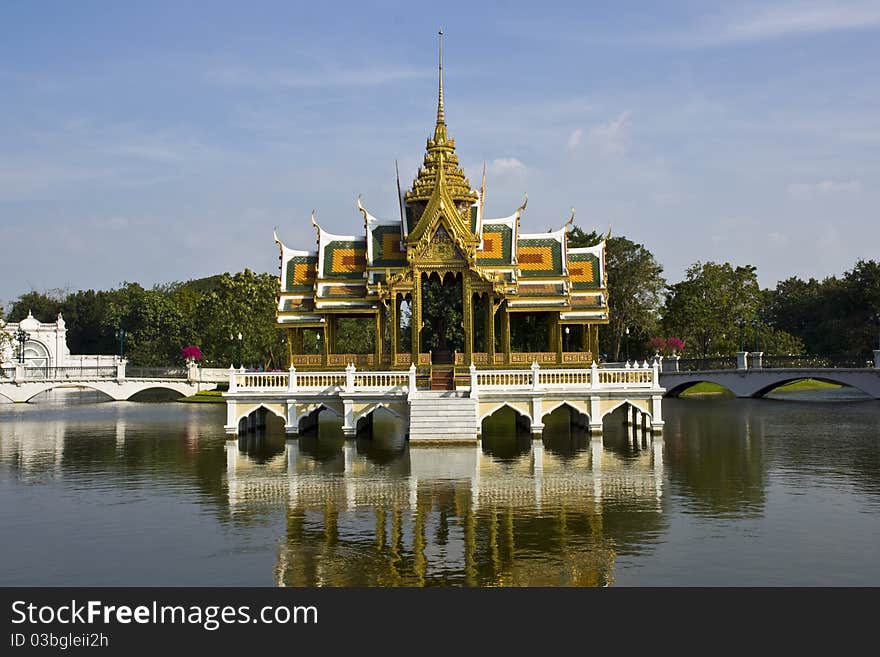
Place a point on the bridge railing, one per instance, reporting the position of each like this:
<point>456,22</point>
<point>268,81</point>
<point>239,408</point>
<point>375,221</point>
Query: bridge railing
<point>618,378</point>
<point>137,372</point>
<point>69,373</point>
<point>503,379</point>
<point>642,376</point>
<point>292,381</point>
<point>707,364</point>
<point>813,362</point>
<point>210,374</point>
<point>7,373</point>
<point>381,380</point>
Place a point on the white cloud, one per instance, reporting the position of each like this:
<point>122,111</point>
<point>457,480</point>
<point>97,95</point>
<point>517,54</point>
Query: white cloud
<point>574,139</point>
<point>823,188</point>
<point>802,18</point>
<point>506,165</point>
<point>761,21</point>
<point>777,239</point>
<point>611,138</point>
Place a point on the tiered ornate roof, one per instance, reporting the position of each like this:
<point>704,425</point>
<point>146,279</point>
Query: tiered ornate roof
<point>351,273</point>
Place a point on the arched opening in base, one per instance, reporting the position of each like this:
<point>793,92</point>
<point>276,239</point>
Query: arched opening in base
<point>506,433</point>
<point>566,431</point>
<point>700,390</point>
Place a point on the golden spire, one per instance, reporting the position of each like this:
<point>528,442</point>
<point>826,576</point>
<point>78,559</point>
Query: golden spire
<point>441,155</point>
<point>440,129</point>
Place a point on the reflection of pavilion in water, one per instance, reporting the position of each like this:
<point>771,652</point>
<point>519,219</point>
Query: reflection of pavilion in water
<point>466,518</point>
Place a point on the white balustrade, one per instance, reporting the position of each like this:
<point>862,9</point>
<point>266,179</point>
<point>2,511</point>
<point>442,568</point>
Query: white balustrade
<point>633,376</point>
<point>535,378</point>
<point>381,380</point>
<point>507,379</point>
<point>293,380</point>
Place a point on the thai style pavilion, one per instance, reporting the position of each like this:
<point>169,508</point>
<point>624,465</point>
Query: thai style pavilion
<point>495,275</point>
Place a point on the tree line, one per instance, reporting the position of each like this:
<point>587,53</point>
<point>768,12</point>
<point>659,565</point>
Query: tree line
<point>718,309</point>
<point>159,322</point>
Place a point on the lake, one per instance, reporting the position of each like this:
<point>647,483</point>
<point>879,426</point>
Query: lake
<point>782,491</point>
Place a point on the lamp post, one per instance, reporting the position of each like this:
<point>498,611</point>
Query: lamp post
<point>626,332</point>
<point>21,336</point>
<point>741,325</point>
<point>240,363</point>
<point>567,332</point>
<point>120,335</point>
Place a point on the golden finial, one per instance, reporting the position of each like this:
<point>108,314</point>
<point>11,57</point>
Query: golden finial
<point>440,117</point>
<point>440,129</point>
<point>440,156</point>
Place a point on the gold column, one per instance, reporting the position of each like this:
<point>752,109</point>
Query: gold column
<point>557,334</point>
<point>395,325</point>
<point>416,316</point>
<point>328,330</point>
<point>467,308</point>
<point>585,337</point>
<point>290,346</point>
<point>505,334</point>
<point>490,329</point>
<point>380,334</point>
<point>595,339</point>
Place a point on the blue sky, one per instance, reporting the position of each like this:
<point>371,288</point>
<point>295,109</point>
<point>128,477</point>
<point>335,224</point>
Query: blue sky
<point>159,141</point>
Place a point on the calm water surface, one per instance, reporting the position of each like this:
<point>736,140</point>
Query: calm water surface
<point>739,492</point>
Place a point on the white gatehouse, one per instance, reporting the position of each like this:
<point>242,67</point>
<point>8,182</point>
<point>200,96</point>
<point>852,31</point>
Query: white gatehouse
<point>45,346</point>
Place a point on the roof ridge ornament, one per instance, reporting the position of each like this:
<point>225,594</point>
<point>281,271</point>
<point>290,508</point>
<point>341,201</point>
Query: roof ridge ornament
<point>363,211</point>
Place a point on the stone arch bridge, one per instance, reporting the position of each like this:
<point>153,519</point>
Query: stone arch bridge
<point>21,384</point>
<point>755,382</point>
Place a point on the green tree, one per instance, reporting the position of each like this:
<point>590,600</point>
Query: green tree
<point>88,329</point>
<point>443,329</point>
<point>530,332</point>
<point>355,335</point>
<point>5,343</point>
<point>243,303</point>
<point>835,316</point>
<point>44,306</point>
<point>154,324</point>
<point>635,290</point>
<point>708,308</point>
<point>862,286</point>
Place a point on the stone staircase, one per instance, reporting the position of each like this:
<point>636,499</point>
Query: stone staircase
<point>437,416</point>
